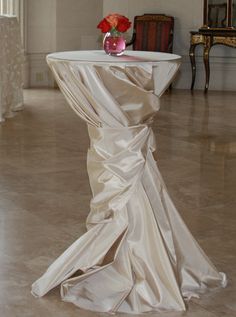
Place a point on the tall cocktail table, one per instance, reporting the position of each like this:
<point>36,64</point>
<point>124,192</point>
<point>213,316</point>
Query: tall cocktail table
<point>137,255</point>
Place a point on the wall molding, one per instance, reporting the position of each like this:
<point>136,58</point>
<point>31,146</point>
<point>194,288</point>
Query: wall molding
<point>223,70</point>
<point>39,73</point>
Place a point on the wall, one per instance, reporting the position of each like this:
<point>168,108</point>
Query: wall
<point>41,39</point>
<point>188,16</point>
<point>55,25</point>
<point>76,24</point>
<point>58,25</point>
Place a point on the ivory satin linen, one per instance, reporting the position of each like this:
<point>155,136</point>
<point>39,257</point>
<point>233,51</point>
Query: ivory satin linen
<point>137,254</point>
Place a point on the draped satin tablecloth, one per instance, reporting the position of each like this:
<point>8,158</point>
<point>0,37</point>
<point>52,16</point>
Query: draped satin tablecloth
<point>11,61</point>
<point>137,255</point>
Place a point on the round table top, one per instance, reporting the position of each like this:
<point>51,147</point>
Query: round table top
<point>100,56</point>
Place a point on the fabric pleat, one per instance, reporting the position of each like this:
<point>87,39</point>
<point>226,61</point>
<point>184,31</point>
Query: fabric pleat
<point>137,255</point>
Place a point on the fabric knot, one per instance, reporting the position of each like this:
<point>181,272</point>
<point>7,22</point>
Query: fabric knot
<point>116,161</point>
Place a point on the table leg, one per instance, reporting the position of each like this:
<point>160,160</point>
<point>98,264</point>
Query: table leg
<point>193,64</point>
<point>207,65</point>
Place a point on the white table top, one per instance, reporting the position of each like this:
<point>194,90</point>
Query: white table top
<point>101,56</point>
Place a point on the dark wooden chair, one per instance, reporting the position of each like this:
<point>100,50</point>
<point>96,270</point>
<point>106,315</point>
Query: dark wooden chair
<point>153,32</point>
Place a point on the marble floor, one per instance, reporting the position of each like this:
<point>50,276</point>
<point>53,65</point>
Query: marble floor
<point>44,192</point>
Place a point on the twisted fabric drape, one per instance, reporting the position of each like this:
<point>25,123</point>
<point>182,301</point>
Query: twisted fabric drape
<point>137,255</point>
<point>11,61</point>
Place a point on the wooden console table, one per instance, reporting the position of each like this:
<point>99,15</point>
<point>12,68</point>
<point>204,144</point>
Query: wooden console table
<point>208,38</point>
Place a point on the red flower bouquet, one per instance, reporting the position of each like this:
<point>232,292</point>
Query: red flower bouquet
<point>114,23</point>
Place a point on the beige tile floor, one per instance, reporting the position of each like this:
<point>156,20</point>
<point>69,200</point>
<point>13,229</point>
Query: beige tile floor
<point>44,192</point>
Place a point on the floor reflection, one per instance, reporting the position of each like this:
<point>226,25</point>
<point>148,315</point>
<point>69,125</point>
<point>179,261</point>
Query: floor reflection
<point>44,191</point>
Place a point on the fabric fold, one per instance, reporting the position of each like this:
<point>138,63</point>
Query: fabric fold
<point>137,255</point>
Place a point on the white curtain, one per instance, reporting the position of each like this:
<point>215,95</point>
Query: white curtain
<point>10,7</point>
<point>16,8</point>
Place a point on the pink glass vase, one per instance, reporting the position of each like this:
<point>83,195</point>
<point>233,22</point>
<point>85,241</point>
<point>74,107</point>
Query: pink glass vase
<point>114,43</point>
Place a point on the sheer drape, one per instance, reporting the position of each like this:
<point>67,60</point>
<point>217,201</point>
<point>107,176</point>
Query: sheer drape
<point>11,62</point>
<point>10,7</point>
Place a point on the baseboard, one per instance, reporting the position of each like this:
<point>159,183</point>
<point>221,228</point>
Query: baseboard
<point>222,74</point>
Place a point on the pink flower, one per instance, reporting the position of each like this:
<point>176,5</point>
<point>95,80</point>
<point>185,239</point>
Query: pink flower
<point>113,19</point>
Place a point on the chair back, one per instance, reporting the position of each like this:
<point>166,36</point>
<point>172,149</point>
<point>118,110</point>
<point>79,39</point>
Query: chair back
<point>153,32</point>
